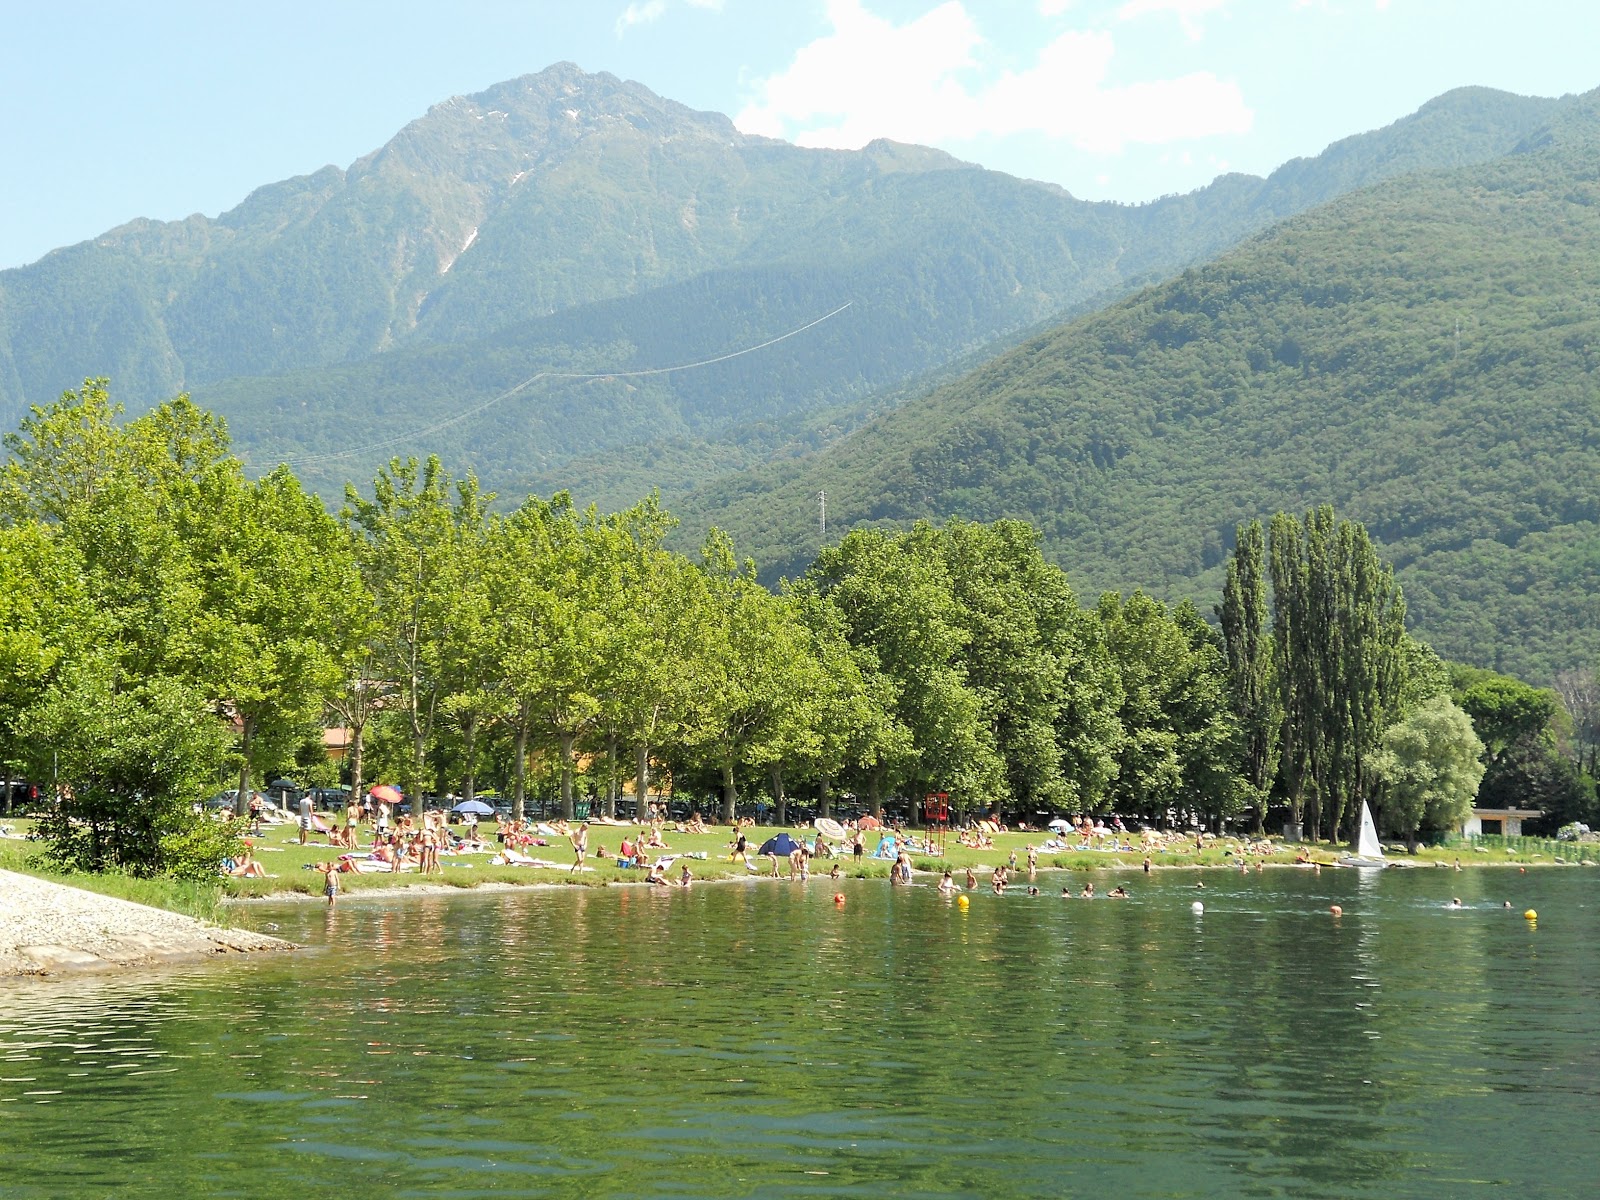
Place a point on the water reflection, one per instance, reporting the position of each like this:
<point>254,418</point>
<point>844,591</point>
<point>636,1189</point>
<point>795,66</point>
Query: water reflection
<point>758,1040</point>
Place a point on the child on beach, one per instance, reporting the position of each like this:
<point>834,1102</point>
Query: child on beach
<point>330,881</point>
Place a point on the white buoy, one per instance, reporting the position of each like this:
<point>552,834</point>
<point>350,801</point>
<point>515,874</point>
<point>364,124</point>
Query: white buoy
<point>1197,907</point>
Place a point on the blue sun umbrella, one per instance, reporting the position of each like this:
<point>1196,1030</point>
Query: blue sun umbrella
<point>780,844</point>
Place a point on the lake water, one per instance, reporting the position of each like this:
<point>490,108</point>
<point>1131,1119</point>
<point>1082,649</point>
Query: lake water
<point>754,1039</point>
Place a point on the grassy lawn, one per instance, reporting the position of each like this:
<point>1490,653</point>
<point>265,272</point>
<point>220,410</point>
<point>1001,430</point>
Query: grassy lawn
<point>290,864</point>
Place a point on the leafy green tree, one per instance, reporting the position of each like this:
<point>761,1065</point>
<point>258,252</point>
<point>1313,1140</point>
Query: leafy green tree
<point>752,672</point>
<point>1339,630</point>
<point>131,756</point>
<point>1504,710</point>
<point>1179,746</point>
<point>408,540</point>
<point>1429,767</point>
<point>898,600</point>
<point>1252,683</point>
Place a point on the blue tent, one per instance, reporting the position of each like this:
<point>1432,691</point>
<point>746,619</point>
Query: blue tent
<point>780,844</point>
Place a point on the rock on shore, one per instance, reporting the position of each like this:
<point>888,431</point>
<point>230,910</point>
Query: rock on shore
<point>46,928</point>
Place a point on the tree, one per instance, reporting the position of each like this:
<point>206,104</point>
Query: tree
<point>278,581</point>
<point>1179,745</point>
<point>408,540</point>
<point>1580,693</point>
<point>131,756</point>
<point>1429,767</point>
<point>898,600</point>
<point>1504,710</point>
<point>1339,631</point>
<point>1252,683</point>
<point>752,671</point>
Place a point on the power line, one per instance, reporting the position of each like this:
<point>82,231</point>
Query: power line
<point>469,413</point>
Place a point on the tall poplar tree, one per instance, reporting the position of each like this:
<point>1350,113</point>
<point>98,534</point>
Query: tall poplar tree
<point>1248,644</point>
<point>1339,626</point>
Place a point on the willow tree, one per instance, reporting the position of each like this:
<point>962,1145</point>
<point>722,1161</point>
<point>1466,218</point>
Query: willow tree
<point>1339,627</point>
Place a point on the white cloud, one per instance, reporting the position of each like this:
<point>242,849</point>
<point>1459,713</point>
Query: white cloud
<point>640,14</point>
<point>923,82</point>
<point>1188,12</point>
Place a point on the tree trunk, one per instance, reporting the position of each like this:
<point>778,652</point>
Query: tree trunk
<point>779,796</point>
<point>875,790</point>
<point>729,795</point>
<point>641,781</point>
<point>247,733</point>
<point>469,785</point>
<point>566,775</point>
<point>519,790</point>
<point>419,762</point>
<point>358,745</point>
<point>611,774</point>
<point>825,796</point>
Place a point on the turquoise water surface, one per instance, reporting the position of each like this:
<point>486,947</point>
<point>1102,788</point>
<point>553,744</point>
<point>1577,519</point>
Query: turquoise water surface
<point>756,1039</point>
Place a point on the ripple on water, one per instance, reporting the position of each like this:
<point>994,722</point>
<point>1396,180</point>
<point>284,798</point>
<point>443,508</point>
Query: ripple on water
<point>757,1041</point>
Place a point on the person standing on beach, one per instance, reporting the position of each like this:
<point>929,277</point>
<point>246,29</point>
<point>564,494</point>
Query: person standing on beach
<point>330,882</point>
<point>305,817</point>
<point>580,846</point>
<point>858,847</point>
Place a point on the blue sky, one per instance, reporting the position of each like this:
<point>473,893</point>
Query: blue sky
<point>114,110</point>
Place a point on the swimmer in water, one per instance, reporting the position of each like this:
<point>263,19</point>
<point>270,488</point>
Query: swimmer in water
<point>1455,902</point>
<point>1118,893</point>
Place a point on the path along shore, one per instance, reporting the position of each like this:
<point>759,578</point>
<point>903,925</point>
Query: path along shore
<point>47,928</point>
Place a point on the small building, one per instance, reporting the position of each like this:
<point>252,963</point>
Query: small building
<point>1498,822</point>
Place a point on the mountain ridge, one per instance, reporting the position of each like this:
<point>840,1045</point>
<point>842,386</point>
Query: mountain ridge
<point>1424,353</point>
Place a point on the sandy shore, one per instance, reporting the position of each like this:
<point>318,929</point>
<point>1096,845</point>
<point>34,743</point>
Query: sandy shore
<point>47,928</point>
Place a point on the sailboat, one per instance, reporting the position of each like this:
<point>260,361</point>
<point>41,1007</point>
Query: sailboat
<point>1366,850</point>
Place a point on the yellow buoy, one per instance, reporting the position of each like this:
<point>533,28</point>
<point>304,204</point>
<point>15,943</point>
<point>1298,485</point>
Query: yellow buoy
<point>962,902</point>
<point>1531,915</point>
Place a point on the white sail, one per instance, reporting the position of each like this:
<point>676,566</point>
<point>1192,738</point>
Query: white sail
<point>1367,844</point>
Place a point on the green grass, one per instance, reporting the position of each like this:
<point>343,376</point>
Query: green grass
<point>288,862</point>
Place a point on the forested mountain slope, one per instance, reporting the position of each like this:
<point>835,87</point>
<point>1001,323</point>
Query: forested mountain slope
<point>1424,354</point>
<point>568,218</point>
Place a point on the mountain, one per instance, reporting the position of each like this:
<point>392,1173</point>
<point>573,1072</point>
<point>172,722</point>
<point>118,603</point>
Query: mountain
<point>1424,354</point>
<point>575,222</point>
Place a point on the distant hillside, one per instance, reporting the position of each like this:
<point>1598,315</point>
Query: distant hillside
<point>565,218</point>
<point>1424,354</point>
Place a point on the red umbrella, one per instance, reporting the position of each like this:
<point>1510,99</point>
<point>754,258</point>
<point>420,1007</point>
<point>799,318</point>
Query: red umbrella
<point>867,823</point>
<point>387,793</point>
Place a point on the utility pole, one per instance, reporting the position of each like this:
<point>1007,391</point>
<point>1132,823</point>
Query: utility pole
<point>822,515</point>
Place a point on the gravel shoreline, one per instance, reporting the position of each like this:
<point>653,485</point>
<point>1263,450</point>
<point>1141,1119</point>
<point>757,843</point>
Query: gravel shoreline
<point>47,928</point>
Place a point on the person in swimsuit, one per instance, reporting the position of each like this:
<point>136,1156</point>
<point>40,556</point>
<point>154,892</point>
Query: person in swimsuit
<point>330,881</point>
<point>580,846</point>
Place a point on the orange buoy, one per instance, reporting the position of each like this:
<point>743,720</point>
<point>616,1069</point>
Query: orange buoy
<point>838,898</point>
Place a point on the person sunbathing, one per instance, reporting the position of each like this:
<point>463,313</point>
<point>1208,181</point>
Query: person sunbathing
<point>246,867</point>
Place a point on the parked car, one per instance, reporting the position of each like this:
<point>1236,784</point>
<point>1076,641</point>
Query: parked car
<point>226,799</point>
<point>18,794</point>
<point>330,799</point>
